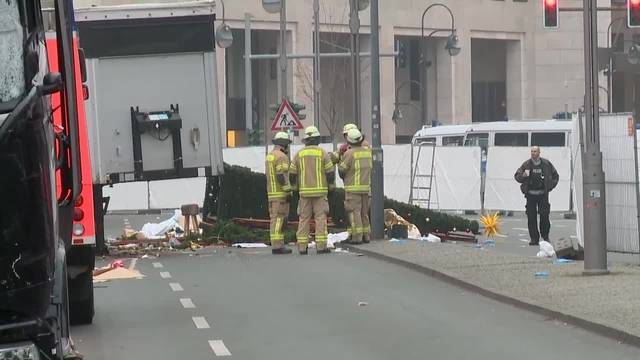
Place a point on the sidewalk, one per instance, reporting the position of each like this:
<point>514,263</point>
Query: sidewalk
<point>608,305</point>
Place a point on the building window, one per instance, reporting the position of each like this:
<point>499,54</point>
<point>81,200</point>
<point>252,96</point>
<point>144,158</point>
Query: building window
<point>548,139</point>
<point>511,139</point>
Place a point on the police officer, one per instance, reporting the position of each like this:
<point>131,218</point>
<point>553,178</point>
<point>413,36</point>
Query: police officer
<point>355,169</point>
<point>278,191</point>
<point>312,172</point>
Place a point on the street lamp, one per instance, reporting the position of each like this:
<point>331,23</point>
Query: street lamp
<point>355,6</point>
<point>633,56</point>
<point>452,46</point>
<point>397,113</point>
<point>272,6</point>
<point>224,36</point>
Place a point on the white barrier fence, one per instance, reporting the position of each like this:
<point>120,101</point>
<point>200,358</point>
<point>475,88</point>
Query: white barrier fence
<point>502,192</point>
<point>456,182</point>
<point>618,140</point>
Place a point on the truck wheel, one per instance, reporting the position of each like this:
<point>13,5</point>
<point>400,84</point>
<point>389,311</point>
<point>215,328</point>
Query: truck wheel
<point>81,312</point>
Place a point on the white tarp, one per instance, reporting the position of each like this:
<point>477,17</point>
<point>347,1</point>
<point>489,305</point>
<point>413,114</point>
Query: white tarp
<point>502,192</point>
<point>618,146</point>
<point>397,171</point>
<point>456,177</point>
<point>171,194</point>
<point>128,196</point>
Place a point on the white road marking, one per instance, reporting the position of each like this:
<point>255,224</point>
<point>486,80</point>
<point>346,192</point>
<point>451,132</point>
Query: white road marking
<point>187,303</point>
<point>521,229</point>
<point>219,348</point>
<point>157,265</point>
<point>524,240</point>
<point>574,237</point>
<point>176,287</point>
<point>132,264</point>
<point>200,322</point>
<point>502,236</point>
<point>165,275</point>
<point>557,225</point>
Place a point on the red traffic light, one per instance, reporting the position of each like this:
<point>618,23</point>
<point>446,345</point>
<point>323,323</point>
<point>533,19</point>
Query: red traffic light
<point>550,13</point>
<point>633,13</point>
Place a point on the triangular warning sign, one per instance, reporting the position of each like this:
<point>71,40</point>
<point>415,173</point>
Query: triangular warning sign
<point>286,118</point>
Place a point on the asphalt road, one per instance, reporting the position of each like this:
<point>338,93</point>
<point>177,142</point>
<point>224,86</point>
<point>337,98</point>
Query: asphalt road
<point>253,305</point>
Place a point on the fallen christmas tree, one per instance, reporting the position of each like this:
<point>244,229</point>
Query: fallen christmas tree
<point>242,194</point>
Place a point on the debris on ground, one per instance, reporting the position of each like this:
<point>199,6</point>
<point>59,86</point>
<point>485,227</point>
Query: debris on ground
<point>564,261</point>
<point>118,273</point>
<point>391,218</point>
<point>541,274</point>
<point>546,250</point>
<point>397,241</point>
<point>266,223</point>
<point>362,303</point>
<point>250,245</point>
<point>334,239</point>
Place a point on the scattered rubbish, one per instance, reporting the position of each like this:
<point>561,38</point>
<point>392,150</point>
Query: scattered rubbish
<point>250,245</point>
<point>541,274</point>
<point>489,243</point>
<point>145,256</point>
<point>362,303</point>
<point>431,238</point>
<point>130,246</point>
<point>341,250</point>
<point>359,254</point>
<point>333,239</point>
<point>117,264</point>
<point>564,261</point>
<point>546,250</point>
<point>391,218</point>
<point>398,241</point>
<point>150,230</point>
<point>118,273</point>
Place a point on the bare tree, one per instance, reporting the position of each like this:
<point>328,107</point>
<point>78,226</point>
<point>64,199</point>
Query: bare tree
<point>335,79</point>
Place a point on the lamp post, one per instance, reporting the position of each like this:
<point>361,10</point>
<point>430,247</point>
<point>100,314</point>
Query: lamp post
<point>397,113</point>
<point>224,36</point>
<point>273,7</point>
<point>355,6</point>
<point>610,69</point>
<point>451,45</point>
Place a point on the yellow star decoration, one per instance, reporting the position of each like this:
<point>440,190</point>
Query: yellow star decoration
<point>490,223</point>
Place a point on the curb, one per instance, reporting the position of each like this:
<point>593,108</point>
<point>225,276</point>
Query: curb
<point>591,326</point>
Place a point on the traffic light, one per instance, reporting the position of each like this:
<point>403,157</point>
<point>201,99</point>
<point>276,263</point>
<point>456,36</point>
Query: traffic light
<point>633,13</point>
<point>401,61</point>
<point>550,13</point>
<point>298,108</point>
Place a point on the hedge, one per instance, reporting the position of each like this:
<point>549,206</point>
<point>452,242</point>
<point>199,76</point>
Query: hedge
<point>243,194</point>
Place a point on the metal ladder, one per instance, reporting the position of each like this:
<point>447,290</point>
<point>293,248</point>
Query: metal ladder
<point>420,182</point>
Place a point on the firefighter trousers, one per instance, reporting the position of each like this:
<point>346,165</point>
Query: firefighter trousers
<point>278,213</point>
<point>318,209</point>
<point>357,208</point>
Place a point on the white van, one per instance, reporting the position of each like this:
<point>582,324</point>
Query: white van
<point>547,133</point>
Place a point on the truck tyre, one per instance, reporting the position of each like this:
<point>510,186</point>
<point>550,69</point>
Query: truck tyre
<point>81,312</point>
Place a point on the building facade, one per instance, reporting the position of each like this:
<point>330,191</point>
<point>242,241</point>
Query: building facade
<point>509,66</point>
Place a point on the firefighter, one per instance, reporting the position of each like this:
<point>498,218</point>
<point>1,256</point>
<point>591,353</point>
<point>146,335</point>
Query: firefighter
<point>312,172</point>
<point>336,155</point>
<point>355,169</point>
<point>278,191</point>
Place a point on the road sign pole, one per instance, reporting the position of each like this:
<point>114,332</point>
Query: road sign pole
<point>377,178</point>
<point>594,227</point>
